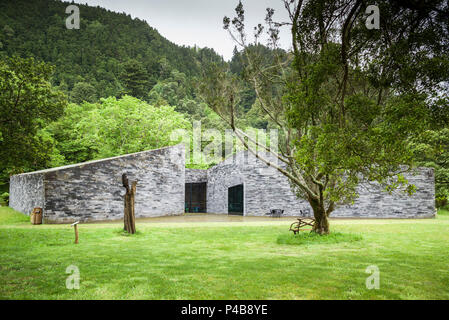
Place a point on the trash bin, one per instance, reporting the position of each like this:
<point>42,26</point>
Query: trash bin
<point>36,216</point>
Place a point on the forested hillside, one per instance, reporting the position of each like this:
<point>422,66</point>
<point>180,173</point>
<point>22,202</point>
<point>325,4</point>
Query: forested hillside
<point>107,48</point>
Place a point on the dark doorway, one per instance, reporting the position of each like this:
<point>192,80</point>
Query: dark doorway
<point>235,200</point>
<point>195,197</point>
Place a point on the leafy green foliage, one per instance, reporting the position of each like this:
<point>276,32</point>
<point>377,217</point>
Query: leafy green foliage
<point>27,102</point>
<point>83,92</point>
<point>4,198</point>
<point>390,89</point>
<point>135,79</point>
<point>114,127</point>
<point>431,149</point>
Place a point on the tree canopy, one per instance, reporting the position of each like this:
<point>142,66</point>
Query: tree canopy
<point>346,99</point>
<point>27,102</point>
<point>114,127</point>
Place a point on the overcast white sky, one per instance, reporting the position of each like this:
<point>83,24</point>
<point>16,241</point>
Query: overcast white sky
<point>200,22</point>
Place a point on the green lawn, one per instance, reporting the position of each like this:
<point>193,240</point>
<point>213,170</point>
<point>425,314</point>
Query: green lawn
<point>235,260</point>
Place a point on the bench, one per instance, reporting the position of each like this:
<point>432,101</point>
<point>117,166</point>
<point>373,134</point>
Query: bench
<point>276,212</point>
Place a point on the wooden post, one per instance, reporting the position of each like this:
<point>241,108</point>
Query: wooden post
<point>76,231</point>
<point>129,219</point>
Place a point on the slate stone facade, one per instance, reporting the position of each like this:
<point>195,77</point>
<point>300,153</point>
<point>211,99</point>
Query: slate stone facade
<point>196,176</point>
<point>26,191</point>
<point>93,190</point>
<point>373,202</point>
<point>265,188</point>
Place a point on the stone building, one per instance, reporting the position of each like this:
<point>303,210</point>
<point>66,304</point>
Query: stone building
<point>93,190</point>
<point>264,188</point>
<point>241,185</point>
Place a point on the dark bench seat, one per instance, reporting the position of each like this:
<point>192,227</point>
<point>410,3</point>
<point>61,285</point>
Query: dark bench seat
<point>276,213</point>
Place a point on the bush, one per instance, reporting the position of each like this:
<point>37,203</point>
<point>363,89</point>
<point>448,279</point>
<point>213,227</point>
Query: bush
<point>441,201</point>
<point>4,198</point>
<point>306,238</point>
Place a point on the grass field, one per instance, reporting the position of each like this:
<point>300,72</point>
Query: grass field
<point>235,260</point>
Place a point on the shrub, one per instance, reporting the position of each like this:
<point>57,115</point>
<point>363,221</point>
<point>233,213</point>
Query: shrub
<point>4,198</point>
<point>441,201</point>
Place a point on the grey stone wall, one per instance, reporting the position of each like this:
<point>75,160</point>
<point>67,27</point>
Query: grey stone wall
<point>93,190</point>
<point>26,191</point>
<point>268,189</point>
<point>374,202</point>
<point>219,178</point>
<point>196,175</point>
<point>265,188</point>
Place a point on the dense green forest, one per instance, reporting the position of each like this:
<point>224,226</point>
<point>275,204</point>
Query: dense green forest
<point>117,86</point>
<point>111,55</point>
<point>108,48</point>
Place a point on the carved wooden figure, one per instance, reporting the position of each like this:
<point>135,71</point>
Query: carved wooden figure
<point>129,215</point>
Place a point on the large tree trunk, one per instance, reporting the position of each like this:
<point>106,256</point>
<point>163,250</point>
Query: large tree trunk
<point>129,218</point>
<point>321,218</point>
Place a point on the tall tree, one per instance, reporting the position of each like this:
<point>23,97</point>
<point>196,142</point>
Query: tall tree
<point>346,98</point>
<point>27,102</point>
<point>135,79</point>
<point>83,91</point>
